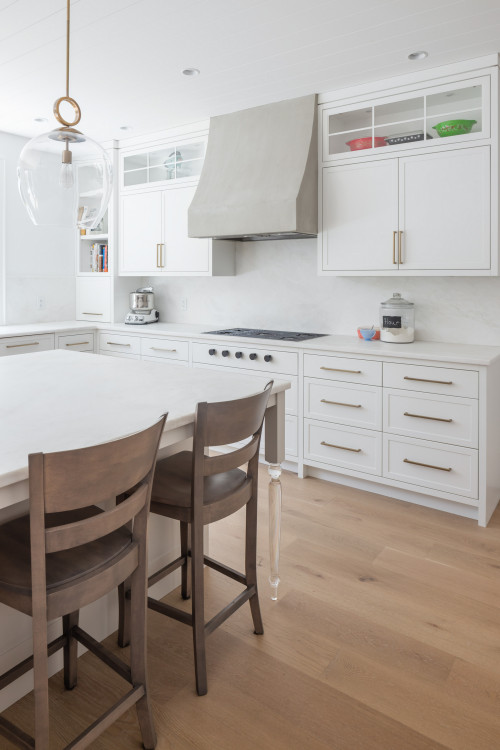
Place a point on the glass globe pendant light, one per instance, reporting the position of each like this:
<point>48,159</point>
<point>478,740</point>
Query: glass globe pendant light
<point>64,177</point>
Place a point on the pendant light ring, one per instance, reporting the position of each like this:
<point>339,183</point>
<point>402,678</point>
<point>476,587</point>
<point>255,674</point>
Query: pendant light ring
<point>76,109</point>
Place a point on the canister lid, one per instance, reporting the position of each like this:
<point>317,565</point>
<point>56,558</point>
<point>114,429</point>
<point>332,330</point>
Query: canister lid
<point>396,301</point>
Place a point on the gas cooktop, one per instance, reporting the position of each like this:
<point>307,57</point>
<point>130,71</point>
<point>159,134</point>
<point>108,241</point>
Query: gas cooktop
<point>259,333</point>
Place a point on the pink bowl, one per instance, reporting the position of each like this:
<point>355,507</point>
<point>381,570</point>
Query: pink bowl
<point>359,143</point>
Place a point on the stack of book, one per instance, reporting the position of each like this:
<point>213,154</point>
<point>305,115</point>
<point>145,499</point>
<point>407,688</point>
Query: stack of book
<point>99,258</point>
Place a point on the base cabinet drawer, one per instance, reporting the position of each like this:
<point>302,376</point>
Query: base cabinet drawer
<point>441,418</point>
<point>345,403</point>
<point>165,348</point>
<point>347,447</point>
<point>162,361</point>
<point>445,380</point>
<point>345,369</point>
<point>420,462</point>
<point>26,344</point>
<point>119,344</point>
<point>78,342</point>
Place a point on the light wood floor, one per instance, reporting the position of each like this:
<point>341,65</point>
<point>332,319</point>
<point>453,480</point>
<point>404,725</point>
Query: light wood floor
<point>386,636</point>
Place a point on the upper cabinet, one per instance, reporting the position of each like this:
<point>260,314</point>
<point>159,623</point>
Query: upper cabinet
<point>409,182</point>
<point>157,186</point>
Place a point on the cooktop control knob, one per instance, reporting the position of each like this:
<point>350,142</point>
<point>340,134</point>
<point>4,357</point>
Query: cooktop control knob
<point>267,357</point>
<point>253,355</point>
<point>212,352</point>
<point>225,353</point>
<point>238,355</point>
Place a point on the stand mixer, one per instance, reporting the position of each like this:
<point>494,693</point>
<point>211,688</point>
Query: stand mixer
<point>142,309</point>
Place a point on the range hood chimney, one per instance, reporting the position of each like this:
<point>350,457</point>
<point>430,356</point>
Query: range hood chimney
<point>260,176</point>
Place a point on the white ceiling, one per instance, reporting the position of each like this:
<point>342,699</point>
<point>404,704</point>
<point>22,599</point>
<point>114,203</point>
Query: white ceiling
<point>127,55</point>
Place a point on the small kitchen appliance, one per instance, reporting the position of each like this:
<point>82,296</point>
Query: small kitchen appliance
<point>397,320</point>
<point>142,310</point>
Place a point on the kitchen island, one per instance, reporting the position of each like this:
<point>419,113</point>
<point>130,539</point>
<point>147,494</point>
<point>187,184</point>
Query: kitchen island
<point>57,400</point>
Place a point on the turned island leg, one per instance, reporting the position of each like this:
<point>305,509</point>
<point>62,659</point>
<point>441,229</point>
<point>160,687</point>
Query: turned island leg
<point>275,454</point>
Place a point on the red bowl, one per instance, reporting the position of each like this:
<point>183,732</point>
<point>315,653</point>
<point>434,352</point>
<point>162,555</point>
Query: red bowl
<point>359,143</point>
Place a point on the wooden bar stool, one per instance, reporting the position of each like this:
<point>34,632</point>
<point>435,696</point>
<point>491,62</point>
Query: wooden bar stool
<point>196,490</point>
<point>67,553</point>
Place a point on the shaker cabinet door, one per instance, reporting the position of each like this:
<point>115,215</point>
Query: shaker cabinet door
<point>444,210</point>
<point>360,216</point>
<point>141,233</point>
<point>182,254</point>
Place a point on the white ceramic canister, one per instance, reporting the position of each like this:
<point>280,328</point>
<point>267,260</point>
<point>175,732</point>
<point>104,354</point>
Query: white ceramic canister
<point>397,320</point>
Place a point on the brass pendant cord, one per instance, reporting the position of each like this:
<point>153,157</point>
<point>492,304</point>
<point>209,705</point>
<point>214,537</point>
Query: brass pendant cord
<point>67,45</point>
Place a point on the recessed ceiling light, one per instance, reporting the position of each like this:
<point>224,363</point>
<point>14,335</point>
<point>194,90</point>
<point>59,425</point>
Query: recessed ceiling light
<point>41,119</point>
<point>421,55</point>
<point>191,72</point>
<point>125,127</point>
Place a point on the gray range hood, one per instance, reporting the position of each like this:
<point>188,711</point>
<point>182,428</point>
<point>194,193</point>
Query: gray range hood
<point>260,176</point>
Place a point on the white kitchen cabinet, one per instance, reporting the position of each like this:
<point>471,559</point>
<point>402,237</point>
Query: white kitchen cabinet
<point>444,210</point>
<point>26,344</point>
<point>426,212</point>
<point>410,177</point>
<point>154,237</point>
<point>93,298</point>
<point>360,216</point>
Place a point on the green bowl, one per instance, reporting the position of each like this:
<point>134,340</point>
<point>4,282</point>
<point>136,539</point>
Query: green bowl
<point>454,127</point>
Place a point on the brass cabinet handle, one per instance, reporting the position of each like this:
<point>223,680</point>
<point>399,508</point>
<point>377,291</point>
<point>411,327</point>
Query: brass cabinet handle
<point>162,264</point>
<point>14,346</point>
<point>340,403</point>
<point>158,255</point>
<point>342,447</point>
<point>337,369</point>
<point>425,380</point>
<point>427,466</point>
<point>421,416</point>
<point>117,343</point>
<point>86,313</point>
<point>161,349</point>
<point>78,343</point>
<point>400,247</point>
<point>394,248</point>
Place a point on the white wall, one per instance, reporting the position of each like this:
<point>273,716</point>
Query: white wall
<point>276,286</point>
<point>39,262</point>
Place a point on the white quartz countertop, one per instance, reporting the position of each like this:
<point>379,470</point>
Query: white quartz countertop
<point>54,399</point>
<point>468,354</point>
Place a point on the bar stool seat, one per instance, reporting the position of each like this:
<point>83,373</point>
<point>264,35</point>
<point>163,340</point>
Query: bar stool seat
<point>173,487</point>
<point>61,567</point>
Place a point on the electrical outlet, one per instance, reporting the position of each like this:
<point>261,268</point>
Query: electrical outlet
<point>184,303</point>
<point>40,303</point>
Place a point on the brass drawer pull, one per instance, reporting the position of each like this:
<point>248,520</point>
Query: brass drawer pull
<point>161,349</point>
<point>158,255</point>
<point>400,247</point>
<point>79,343</point>
<point>86,313</point>
<point>394,248</point>
<point>14,346</point>
<point>425,380</point>
<point>340,403</point>
<point>117,343</point>
<point>342,447</point>
<point>337,369</point>
<point>427,466</point>
<point>421,416</point>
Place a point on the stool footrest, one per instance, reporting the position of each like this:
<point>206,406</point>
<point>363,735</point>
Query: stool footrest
<point>102,653</point>
<point>27,664</point>
<point>155,577</point>
<point>228,610</point>
<point>167,609</point>
<point>108,718</point>
<point>16,735</point>
<point>225,569</point>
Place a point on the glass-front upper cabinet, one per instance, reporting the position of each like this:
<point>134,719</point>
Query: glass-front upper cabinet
<point>458,111</point>
<point>176,161</point>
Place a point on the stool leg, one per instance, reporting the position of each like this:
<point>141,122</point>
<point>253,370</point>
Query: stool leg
<point>251,562</point>
<point>70,650</point>
<point>186,581</point>
<point>198,610</point>
<point>138,656</point>
<point>41,684</point>
<point>123,614</point>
